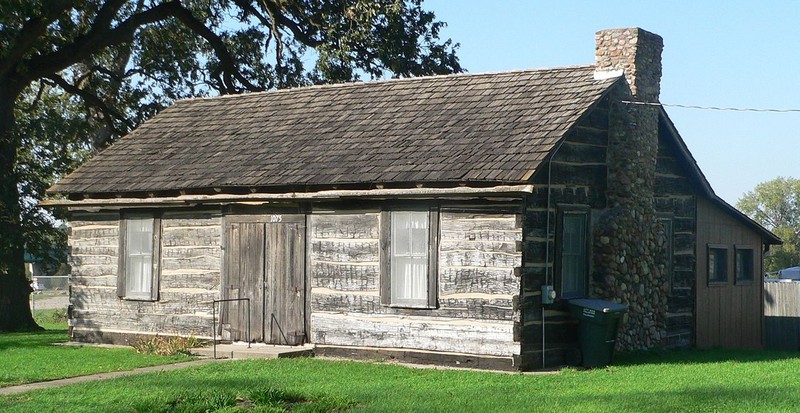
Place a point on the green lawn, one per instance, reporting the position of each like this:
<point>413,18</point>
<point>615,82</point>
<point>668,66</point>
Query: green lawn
<point>30,357</point>
<point>696,381</point>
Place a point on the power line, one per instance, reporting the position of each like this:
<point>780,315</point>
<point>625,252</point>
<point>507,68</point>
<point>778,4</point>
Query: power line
<point>721,108</point>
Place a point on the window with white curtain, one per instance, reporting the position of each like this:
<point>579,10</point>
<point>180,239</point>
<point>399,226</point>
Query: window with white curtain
<point>408,277</point>
<point>409,259</point>
<point>138,258</point>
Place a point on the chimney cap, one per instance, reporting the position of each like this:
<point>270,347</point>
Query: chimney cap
<point>637,53</point>
<point>630,30</point>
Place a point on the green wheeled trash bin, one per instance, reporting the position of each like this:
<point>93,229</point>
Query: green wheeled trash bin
<point>598,322</point>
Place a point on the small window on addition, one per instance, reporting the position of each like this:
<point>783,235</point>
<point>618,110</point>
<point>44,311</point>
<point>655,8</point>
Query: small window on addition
<point>744,265</point>
<point>717,264</point>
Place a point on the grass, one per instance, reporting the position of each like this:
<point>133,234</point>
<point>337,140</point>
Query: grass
<point>32,357</point>
<point>695,381</point>
<point>55,319</point>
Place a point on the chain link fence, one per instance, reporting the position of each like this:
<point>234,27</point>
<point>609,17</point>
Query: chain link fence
<point>50,292</point>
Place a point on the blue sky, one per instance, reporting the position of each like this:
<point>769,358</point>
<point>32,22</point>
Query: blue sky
<point>743,54</point>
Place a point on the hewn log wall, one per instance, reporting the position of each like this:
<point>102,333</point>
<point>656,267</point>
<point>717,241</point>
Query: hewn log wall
<point>477,286</point>
<point>189,279</point>
<point>675,200</point>
<point>579,170</point>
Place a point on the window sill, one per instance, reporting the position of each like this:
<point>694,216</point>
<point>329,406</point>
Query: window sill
<point>411,307</point>
<point>568,297</point>
<point>745,283</point>
<point>145,299</point>
<point>718,284</point>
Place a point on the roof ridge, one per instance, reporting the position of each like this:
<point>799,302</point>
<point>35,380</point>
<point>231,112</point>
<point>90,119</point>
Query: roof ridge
<point>360,83</point>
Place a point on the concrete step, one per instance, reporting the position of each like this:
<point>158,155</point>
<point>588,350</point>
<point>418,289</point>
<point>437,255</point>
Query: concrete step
<point>255,351</point>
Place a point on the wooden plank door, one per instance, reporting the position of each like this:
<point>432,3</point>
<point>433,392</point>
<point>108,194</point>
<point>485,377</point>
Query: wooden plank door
<point>285,280</point>
<point>244,279</point>
<point>265,262</point>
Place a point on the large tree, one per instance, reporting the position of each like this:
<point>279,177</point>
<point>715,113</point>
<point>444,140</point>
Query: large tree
<point>775,204</point>
<point>76,74</point>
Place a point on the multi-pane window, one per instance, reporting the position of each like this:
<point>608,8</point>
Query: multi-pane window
<point>409,258</point>
<point>744,265</point>
<point>138,274</point>
<point>717,264</point>
<point>409,275</point>
<point>573,258</point>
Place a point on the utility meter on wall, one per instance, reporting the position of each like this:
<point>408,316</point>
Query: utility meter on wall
<point>548,294</point>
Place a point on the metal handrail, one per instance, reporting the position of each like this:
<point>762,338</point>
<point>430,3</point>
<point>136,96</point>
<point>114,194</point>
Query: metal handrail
<point>280,330</point>
<point>214,320</point>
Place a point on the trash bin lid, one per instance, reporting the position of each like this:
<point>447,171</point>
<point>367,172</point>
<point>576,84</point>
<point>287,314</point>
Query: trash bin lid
<point>599,305</point>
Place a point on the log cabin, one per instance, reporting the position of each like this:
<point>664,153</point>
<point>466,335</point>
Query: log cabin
<point>424,219</point>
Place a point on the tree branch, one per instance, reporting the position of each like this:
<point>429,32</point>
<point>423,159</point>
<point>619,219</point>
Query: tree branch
<point>117,77</point>
<point>31,31</point>
<point>300,35</point>
<point>229,67</point>
<point>92,100</point>
<point>304,37</point>
<point>97,39</point>
<point>101,36</point>
<point>107,13</point>
<point>247,7</point>
<point>278,41</point>
<point>37,98</point>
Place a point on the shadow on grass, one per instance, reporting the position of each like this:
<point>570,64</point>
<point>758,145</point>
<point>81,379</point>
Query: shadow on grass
<point>257,398</point>
<point>32,339</point>
<point>700,356</point>
<point>291,386</point>
<point>204,389</point>
<point>703,398</point>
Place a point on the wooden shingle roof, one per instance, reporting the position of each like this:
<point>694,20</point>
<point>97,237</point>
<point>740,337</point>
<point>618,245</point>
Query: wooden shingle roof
<point>492,128</point>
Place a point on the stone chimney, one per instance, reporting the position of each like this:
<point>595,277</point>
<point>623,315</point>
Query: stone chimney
<point>633,128</point>
<point>637,53</point>
<point>628,251</point>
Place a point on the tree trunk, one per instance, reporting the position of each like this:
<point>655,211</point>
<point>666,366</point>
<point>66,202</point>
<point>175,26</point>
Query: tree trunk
<point>15,291</point>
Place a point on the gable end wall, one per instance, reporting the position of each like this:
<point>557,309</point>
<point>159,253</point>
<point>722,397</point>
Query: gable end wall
<point>675,199</point>
<point>579,171</point>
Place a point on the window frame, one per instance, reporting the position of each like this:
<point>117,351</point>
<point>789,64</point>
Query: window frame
<point>717,281</point>
<point>155,269</point>
<point>431,299</point>
<point>563,212</point>
<point>736,268</point>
